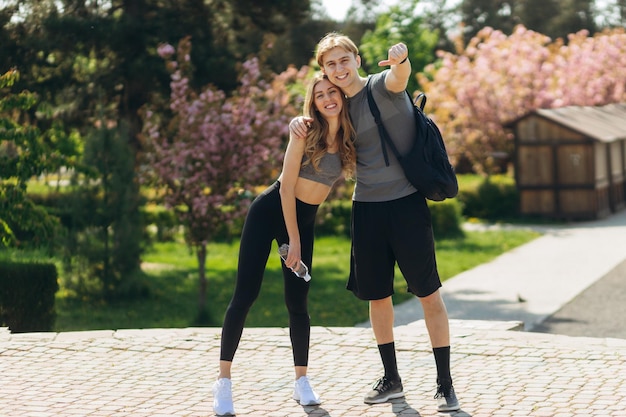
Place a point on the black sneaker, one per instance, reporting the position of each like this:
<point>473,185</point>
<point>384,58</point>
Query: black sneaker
<point>446,399</point>
<point>384,390</point>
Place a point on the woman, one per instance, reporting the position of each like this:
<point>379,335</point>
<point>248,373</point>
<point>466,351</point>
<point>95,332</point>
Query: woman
<point>285,212</point>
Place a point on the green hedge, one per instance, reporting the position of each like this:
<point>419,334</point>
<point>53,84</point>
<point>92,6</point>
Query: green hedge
<point>59,204</point>
<point>333,218</point>
<point>492,198</point>
<point>447,218</point>
<point>162,220</point>
<point>27,296</point>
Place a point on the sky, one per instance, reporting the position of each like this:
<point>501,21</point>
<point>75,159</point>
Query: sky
<point>337,9</point>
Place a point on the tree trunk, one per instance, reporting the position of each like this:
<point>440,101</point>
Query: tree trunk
<point>201,254</point>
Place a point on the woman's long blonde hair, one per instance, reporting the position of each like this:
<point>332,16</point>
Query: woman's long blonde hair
<point>315,146</point>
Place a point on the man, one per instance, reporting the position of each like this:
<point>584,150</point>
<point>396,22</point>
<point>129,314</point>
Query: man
<point>390,218</point>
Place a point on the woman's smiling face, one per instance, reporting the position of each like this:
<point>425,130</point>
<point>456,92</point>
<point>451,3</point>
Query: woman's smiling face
<point>327,99</point>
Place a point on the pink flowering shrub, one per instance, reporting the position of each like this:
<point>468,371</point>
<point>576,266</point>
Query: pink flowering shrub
<point>498,78</point>
<point>210,151</point>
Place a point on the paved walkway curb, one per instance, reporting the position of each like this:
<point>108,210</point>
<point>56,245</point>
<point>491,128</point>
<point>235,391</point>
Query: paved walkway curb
<point>168,372</point>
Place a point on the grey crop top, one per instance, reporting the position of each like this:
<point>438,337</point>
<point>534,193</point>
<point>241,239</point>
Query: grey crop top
<point>329,169</point>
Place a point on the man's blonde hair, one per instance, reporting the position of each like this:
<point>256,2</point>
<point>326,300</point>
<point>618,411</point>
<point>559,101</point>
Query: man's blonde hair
<point>333,40</point>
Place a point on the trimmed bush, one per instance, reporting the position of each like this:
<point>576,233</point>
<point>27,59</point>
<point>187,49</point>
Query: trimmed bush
<point>59,204</point>
<point>333,218</point>
<point>495,198</point>
<point>27,296</point>
<point>447,218</point>
<point>163,220</point>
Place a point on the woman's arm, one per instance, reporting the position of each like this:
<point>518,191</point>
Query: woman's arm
<point>291,170</point>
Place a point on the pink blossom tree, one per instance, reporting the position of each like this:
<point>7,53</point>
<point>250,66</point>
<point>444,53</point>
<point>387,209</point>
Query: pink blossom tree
<point>498,78</point>
<point>212,150</point>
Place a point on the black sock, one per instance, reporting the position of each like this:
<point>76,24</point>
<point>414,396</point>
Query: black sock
<point>388,355</point>
<point>442,360</point>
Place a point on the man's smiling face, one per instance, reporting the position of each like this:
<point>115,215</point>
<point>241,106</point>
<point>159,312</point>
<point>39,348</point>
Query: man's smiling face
<point>341,67</point>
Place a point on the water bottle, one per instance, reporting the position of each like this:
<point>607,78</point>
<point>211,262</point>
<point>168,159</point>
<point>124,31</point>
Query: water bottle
<point>302,271</point>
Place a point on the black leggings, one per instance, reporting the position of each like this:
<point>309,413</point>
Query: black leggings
<point>265,223</point>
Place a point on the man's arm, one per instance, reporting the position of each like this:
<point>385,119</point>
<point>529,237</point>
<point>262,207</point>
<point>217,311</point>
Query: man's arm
<point>398,77</point>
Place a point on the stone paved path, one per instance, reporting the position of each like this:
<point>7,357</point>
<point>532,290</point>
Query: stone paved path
<point>169,372</point>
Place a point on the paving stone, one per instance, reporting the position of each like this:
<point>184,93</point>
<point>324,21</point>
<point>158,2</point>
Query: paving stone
<point>169,372</point>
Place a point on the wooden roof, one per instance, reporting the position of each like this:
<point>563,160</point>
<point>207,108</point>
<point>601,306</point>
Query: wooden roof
<point>603,123</point>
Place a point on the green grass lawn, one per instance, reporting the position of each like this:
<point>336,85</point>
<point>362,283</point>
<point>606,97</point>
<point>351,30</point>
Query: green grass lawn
<point>171,273</point>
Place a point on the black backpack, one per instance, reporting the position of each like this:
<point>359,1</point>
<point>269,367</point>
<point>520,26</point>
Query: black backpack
<point>426,165</point>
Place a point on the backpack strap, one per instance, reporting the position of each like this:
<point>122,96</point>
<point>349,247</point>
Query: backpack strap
<point>382,132</point>
<point>422,103</point>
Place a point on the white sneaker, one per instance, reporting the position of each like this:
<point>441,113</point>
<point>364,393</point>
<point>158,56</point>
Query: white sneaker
<point>303,393</point>
<point>223,397</point>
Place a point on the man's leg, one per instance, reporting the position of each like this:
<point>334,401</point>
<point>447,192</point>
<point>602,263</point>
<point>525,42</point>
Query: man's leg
<point>436,318</point>
<point>390,385</point>
<point>381,318</point>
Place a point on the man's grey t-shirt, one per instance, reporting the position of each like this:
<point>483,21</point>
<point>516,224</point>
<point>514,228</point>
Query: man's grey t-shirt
<point>375,181</point>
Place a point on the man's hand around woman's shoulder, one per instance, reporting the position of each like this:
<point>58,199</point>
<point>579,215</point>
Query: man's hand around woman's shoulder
<point>299,127</point>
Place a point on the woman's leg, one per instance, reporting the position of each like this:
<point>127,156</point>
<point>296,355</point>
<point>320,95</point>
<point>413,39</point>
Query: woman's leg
<point>255,246</point>
<point>297,290</point>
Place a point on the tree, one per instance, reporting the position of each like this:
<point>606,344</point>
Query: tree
<point>209,157</point>
<point>363,10</point>
<point>576,15</point>
<point>65,48</point>
<point>536,15</point>
<point>499,78</point>
<point>102,247</point>
<point>610,14</point>
<point>94,62</point>
<point>295,47</point>
<point>442,17</point>
<point>24,152</point>
<point>400,24</point>
<point>557,19</point>
<point>477,14</point>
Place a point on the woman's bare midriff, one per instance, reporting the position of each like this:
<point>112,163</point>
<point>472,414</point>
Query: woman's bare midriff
<point>311,192</point>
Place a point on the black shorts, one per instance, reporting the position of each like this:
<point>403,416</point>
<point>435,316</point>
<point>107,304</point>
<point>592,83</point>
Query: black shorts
<point>384,233</point>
